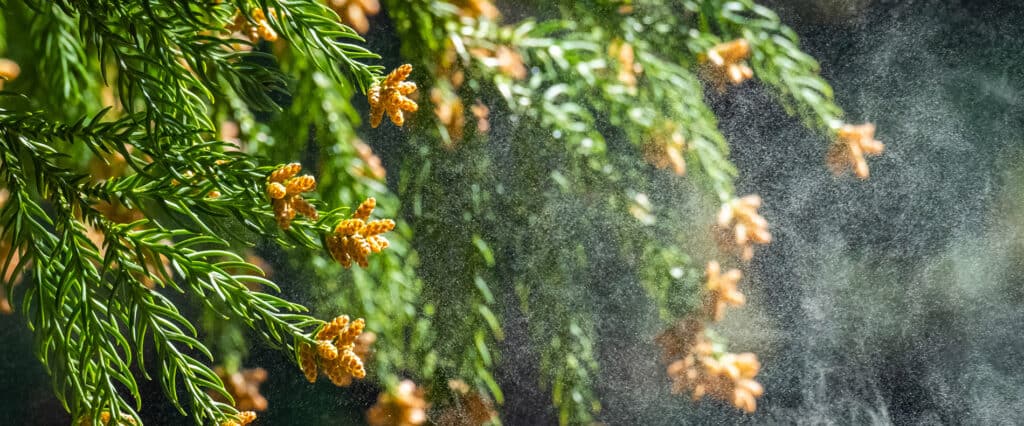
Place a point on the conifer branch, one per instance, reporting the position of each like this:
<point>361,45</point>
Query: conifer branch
<point>779,63</point>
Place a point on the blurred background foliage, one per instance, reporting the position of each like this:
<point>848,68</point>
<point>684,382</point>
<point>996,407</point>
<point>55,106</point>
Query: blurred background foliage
<point>542,245</point>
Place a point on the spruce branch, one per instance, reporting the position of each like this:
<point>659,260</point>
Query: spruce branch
<point>387,294</point>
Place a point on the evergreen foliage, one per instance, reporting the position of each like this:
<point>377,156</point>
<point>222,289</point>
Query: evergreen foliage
<point>144,133</point>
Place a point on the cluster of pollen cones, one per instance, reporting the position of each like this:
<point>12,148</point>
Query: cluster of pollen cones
<point>336,352</point>
<point>285,191</point>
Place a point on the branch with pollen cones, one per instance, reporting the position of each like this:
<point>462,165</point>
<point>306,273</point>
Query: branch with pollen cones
<point>390,96</point>
<point>725,63</point>
<point>242,419</point>
<point>354,239</point>
<point>851,145</point>
<point>285,191</point>
<point>722,290</point>
<point>696,368</point>
<point>337,352</point>
<point>258,28</point>
<point>665,148</point>
<point>740,227</point>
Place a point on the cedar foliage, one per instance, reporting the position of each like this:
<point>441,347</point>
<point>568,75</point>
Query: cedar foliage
<point>138,141</point>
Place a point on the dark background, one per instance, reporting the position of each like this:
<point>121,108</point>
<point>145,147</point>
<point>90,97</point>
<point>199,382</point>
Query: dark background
<point>897,299</point>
